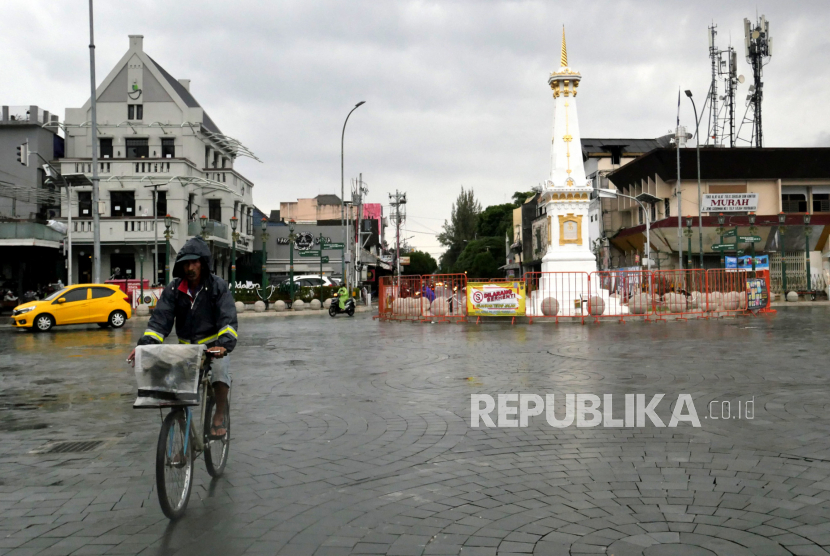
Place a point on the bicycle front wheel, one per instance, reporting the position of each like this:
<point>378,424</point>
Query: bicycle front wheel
<point>216,451</point>
<point>174,465</point>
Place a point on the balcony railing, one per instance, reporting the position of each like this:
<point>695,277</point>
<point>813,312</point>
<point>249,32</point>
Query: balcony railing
<point>28,230</point>
<point>123,229</point>
<point>213,228</point>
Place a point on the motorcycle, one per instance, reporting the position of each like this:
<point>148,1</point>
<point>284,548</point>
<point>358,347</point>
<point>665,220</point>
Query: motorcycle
<point>334,308</point>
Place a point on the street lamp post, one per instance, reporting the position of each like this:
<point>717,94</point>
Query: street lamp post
<point>234,239</point>
<point>264,254</point>
<point>720,230</point>
<point>168,222</point>
<point>321,244</point>
<point>752,231</point>
<point>291,239</point>
<point>203,223</point>
<point>612,194</point>
<point>141,275</point>
<point>699,198</point>
<point>688,235</point>
<point>342,188</point>
<point>807,231</point>
<point>782,219</point>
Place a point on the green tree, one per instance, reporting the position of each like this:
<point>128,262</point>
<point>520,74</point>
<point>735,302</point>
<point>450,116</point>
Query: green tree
<point>460,228</point>
<point>519,197</point>
<point>420,263</point>
<point>496,220</point>
<point>481,258</point>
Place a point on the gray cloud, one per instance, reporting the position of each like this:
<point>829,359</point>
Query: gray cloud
<point>456,90</point>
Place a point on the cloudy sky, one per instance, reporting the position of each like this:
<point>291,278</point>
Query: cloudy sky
<point>455,91</point>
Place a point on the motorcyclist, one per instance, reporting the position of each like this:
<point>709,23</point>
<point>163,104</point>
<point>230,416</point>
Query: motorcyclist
<point>204,312</point>
<point>342,297</point>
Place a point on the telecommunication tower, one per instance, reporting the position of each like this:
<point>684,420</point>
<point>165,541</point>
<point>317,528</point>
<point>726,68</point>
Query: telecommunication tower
<point>715,125</point>
<point>758,49</point>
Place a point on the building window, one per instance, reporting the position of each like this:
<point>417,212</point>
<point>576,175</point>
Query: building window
<point>106,148</point>
<point>84,204</point>
<point>821,202</point>
<point>666,208</point>
<point>191,210</point>
<point>215,159</point>
<point>122,203</point>
<point>137,148</point>
<point>207,156</point>
<point>794,202</point>
<point>161,203</point>
<point>135,111</point>
<point>215,209</point>
<point>168,148</point>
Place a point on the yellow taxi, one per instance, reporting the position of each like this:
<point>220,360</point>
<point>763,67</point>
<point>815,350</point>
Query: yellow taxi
<point>104,304</point>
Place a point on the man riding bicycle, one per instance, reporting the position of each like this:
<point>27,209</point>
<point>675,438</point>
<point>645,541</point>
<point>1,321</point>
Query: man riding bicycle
<point>204,313</point>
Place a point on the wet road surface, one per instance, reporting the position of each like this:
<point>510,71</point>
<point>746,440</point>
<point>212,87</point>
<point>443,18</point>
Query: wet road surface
<point>353,437</point>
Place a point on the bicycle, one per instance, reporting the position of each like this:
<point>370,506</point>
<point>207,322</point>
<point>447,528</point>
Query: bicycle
<point>179,444</point>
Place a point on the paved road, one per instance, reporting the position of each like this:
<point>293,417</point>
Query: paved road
<point>353,437</point>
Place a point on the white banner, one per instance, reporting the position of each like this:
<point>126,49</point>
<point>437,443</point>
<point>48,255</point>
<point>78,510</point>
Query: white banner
<point>730,202</point>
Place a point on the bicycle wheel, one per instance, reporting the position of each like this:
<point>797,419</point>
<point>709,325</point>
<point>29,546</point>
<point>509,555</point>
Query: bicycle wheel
<point>216,450</point>
<point>174,465</point>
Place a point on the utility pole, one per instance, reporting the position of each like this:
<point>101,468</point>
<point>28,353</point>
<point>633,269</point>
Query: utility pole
<point>399,199</point>
<point>677,134</point>
<point>96,218</point>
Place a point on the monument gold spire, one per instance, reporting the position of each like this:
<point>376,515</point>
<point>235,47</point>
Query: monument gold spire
<point>564,59</point>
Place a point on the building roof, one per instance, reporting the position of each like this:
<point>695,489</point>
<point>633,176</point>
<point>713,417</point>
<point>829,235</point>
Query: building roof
<point>327,200</point>
<point>188,99</point>
<point>726,164</point>
<point>627,147</point>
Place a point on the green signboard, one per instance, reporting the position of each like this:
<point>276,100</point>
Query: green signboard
<point>730,233</point>
<point>723,246</point>
<point>324,260</point>
<point>749,239</point>
<point>310,253</point>
<point>333,246</point>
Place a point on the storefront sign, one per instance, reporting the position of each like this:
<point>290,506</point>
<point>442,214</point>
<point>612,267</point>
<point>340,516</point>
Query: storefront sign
<point>757,294</point>
<point>500,299</point>
<point>730,202</point>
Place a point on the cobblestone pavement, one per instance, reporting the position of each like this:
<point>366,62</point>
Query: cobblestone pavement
<point>353,437</point>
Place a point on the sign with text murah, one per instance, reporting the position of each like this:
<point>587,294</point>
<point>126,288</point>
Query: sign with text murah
<point>496,299</point>
<point>729,202</point>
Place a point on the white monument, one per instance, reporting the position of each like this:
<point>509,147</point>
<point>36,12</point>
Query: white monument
<point>566,198</point>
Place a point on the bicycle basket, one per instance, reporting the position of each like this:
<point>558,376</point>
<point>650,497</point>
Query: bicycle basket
<point>167,375</point>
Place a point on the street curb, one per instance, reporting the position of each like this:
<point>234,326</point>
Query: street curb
<point>272,313</point>
<point>825,304</point>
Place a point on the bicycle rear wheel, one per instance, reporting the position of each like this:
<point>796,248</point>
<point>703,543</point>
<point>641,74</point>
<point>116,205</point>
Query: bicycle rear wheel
<point>216,450</point>
<point>174,465</point>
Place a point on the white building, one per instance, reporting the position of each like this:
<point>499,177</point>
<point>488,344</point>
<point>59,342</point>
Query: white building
<point>159,153</point>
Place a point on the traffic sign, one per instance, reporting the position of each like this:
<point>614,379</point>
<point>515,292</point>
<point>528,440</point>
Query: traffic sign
<point>324,259</point>
<point>730,233</point>
<point>723,246</point>
<point>333,246</point>
<point>740,253</point>
<point>749,239</point>
<point>310,253</point>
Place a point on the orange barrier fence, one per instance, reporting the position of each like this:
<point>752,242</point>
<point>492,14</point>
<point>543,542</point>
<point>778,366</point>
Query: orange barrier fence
<point>661,294</point>
<point>447,296</point>
<point>557,295</point>
<point>623,293</point>
<point>726,291</point>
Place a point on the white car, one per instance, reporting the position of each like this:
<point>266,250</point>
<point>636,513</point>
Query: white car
<point>310,280</point>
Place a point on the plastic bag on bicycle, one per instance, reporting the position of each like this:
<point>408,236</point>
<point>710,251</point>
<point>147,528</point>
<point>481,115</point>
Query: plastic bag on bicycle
<point>167,375</point>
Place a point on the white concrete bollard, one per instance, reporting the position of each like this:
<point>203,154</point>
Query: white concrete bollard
<point>298,305</point>
<point>259,306</point>
<point>240,307</point>
<point>315,305</point>
<point>550,306</point>
<point>279,306</point>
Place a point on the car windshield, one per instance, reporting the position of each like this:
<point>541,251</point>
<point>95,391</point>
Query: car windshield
<point>56,295</point>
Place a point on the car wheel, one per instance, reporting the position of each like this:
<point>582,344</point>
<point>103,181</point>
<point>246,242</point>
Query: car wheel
<point>117,319</point>
<point>44,323</point>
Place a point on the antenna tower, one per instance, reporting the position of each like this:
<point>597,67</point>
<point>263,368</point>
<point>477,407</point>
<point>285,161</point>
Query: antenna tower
<point>715,125</point>
<point>758,49</point>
